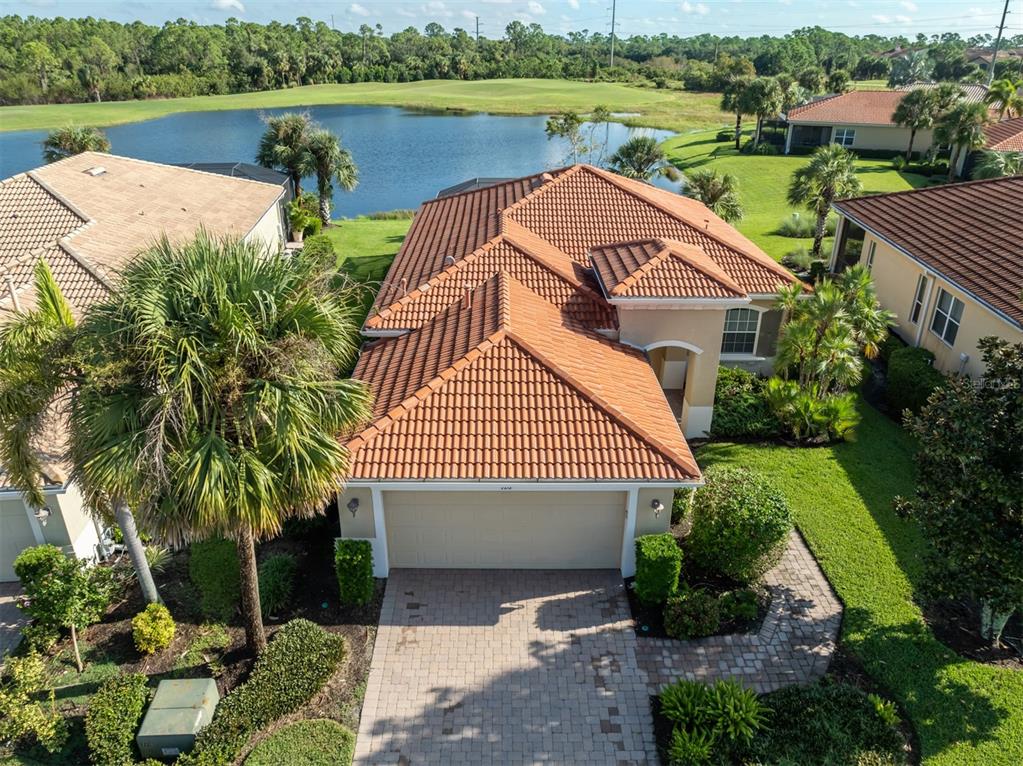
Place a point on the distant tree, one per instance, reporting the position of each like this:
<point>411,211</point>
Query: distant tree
<point>998,165</point>
<point>916,112</point>
<point>583,147</point>
<point>814,79</point>
<point>642,158</point>
<point>73,139</point>
<point>732,100</point>
<point>330,163</point>
<point>946,95</point>
<point>37,58</point>
<point>567,125</point>
<point>839,81</point>
<point>915,66</point>
<point>762,98</point>
<point>284,146</point>
<point>98,60</point>
<point>828,176</point>
<point>969,487</point>
<point>720,193</point>
<point>962,128</point>
<point>1006,95</point>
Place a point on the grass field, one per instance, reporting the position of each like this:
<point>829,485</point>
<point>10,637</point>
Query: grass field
<point>965,713</point>
<point>763,183</point>
<point>668,109</point>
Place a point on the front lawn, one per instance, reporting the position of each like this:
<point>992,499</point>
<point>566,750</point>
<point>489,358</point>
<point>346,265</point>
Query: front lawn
<point>764,181</point>
<point>964,712</point>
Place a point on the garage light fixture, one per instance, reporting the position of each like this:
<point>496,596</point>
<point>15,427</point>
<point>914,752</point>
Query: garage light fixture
<point>658,506</point>
<point>353,506</point>
<point>43,515</point>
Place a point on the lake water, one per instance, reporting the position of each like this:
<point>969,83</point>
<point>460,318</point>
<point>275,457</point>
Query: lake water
<point>404,156</point>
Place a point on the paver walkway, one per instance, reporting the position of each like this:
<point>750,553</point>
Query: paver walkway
<point>505,667</point>
<point>11,618</point>
<point>793,646</point>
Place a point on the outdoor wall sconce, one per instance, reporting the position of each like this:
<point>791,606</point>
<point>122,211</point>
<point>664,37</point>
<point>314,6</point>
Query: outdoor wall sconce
<point>353,506</point>
<point>658,506</point>
<point>43,515</point>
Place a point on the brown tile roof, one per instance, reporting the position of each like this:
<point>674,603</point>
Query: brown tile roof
<point>857,107</point>
<point>1005,136</point>
<point>971,233</point>
<point>502,386</point>
<point>659,268</point>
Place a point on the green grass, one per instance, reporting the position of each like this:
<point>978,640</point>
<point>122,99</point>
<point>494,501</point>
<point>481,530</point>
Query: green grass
<point>656,108</point>
<point>764,181</point>
<point>319,742</point>
<point>964,712</point>
<point>366,248</point>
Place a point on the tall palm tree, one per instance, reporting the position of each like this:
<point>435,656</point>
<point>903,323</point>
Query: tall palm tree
<point>223,404</point>
<point>946,96</point>
<point>763,98</point>
<point>1005,94</point>
<point>732,101</point>
<point>720,193</point>
<point>998,165</point>
<point>74,139</point>
<point>41,373</point>
<point>916,112</point>
<point>330,162</point>
<point>284,146</point>
<point>829,175</point>
<point>642,158</point>
<point>962,129</point>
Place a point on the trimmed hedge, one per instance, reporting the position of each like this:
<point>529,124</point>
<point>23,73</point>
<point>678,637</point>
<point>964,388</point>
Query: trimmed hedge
<point>740,406</point>
<point>692,613</point>
<point>353,562</point>
<point>658,566</point>
<point>295,666</point>
<point>113,718</point>
<point>911,379</point>
<point>152,629</point>
<point>317,742</point>
<point>213,567</point>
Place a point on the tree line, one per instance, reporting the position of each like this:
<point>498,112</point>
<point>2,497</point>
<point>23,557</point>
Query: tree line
<point>67,60</point>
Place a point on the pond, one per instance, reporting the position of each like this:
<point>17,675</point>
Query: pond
<point>404,156</point>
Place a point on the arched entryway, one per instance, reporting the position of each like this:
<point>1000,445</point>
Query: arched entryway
<point>672,361</point>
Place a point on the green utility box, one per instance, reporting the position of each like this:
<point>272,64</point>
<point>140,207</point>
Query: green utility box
<point>179,710</point>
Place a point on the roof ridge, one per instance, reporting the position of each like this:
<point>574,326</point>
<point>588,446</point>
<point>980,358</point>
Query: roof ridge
<point>561,269</point>
<point>554,180</point>
<point>935,189</point>
<point>662,254</point>
<point>711,271</point>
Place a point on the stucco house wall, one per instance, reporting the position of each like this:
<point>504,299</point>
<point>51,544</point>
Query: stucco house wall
<point>881,137</point>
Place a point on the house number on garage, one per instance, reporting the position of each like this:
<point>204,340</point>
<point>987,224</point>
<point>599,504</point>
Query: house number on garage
<point>505,489</point>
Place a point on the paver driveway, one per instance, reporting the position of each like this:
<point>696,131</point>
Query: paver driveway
<point>505,667</point>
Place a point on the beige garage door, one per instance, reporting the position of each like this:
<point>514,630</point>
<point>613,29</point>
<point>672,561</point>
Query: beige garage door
<point>15,536</point>
<point>505,530</point>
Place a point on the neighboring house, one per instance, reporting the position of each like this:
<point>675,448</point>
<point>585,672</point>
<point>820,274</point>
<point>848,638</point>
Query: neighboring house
<point>860,120</point>
<point>947,260</point>
<point>982,56</point>
<point>88,215</point>
<point>540,347</point>
<point>1004,136</point>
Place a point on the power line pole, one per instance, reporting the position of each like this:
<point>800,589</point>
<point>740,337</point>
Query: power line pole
<point>477,33</point>
<point>998,42</point>
<point>613,3</point>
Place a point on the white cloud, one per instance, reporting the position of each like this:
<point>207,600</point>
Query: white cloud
<point>406,13</point>
<point>471,15</point>
<point>880,18</point>
<point>228,5</point>
<point>574,4</point>
<point>903,19</point>
<point>535,8</point>
<point>358,10</point>
<point>700,9</point>
<point>909,5</point>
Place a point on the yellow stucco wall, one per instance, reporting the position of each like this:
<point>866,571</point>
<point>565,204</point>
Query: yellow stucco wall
<point>881,138</point>
<point>361,525</point>
<point>646,522</point>
<point>270,229</point>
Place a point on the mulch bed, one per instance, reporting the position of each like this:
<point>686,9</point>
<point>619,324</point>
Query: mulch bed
<point>957,625</point>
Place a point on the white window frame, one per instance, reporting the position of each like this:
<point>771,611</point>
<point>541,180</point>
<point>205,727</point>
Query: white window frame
<point>946,318</point>
<point>752,354</point>
<point>870,255</point>
<point>844,137</point>
<point>916,309</point>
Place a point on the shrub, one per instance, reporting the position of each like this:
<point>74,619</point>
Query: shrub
<point>152,629</point>
<point>276,581</point>
<point>740,605</point>
<point>681,501</point>
<point>899,163</point>
<point>113,717</point>
<point>658,566</point>
<point>740,407</point>
<point>826,722</point>
<point>353,561</point>
<point>320,250</point>
<point>213,567</point>
<point>692,613</point>
<point>24,717</point>
<point>740,524</point>
<point>736,713</point>
<point>809,418</point>
<point>294,667</point>
<point>798,259</point>
<point>711,723</point>
<point>725,135</point>
<point>765,149</point>
<point>797,225</point>
<point>319,742</point>
<point>33,566</point>
<point>888,346</point>
<point>691,748</point>
<point>685,703</point>
<point>911,379</point>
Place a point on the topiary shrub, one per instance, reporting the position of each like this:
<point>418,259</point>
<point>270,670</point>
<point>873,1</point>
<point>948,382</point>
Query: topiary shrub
<point>740,407</point>
<point>353,561</point>
<point>276,581</point>
<point>658,566</point>
<point>113,718</point>
<point>692,613</point>
<point>152,629</point>
<point>213,567</point>
<point>741,523</point>
<point>911,379</point>
<point>318,742</point>
<point>295,666</point>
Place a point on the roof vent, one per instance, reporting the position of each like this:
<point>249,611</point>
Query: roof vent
<point>546,177</point>
<point>96,170</point>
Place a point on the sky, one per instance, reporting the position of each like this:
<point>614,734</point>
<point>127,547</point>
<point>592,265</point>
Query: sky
<point>680,17</point>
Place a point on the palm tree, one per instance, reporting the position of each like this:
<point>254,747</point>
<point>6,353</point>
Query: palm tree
<point>73,139</point>
<point>720,193</point>
<point>284,146</point>
<point>330,163</point>
<point>946,95</point>
<point>962,129</point>
<point>916,112</point>
<point>763,97</point>
<point>732,101</point>
<point>643,159</point>
<point>829,175</point>
<point>41,373</point>
<point>1005,94</point>
<point>998,165</point>
<point>915,66</point>
<point>223,404</point>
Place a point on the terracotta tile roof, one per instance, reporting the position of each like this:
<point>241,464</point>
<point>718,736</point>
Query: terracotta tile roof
<point>489,390</point>
<point>971,233</point>
<point>660,268</point>
<point>1005,136</point>
<point>857,107</point>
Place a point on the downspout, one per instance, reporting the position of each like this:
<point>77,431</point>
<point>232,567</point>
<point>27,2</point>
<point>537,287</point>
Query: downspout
<point>13,292</point>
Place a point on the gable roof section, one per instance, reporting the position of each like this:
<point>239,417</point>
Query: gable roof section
<point>1004,136</point>
<point>857,107</point>
<point>499,386</point>
<point>659,268</point>
<point>970,233</point>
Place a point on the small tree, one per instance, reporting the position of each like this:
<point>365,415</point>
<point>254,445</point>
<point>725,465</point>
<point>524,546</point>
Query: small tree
<point>829,175</point>
<point>330,162</point>
<point>916,112</point>
<point>718,192</point>
<point>73,139</point>
<point>732,100</point>
<point>762,98</point>
<point>569,125</point>
<point>642,158</point>
<point>962,128</point>
<point>969,490</point>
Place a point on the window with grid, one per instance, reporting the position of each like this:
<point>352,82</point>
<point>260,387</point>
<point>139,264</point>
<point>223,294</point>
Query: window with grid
<point>845,136</point>
<point>947,315</point>
<point>918,299</point>
<point>740,336</point>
